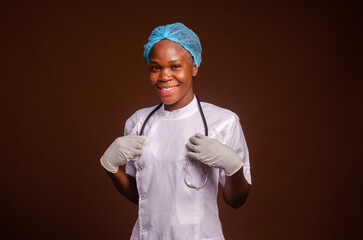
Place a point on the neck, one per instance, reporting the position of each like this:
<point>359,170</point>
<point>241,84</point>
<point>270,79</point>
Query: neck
<point>188,98</point>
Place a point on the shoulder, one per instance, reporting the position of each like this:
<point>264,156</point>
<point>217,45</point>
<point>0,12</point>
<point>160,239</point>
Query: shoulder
<point>140,114</point>
<point>223,124</point>
<point>221,121</point>
<point>218,113</point>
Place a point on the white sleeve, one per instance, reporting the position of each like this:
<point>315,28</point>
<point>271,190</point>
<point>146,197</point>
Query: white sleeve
<point>235,139</point>
<point>130,166</point>
<point>132,127</point>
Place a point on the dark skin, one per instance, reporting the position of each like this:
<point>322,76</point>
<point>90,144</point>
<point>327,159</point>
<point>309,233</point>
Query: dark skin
<point>125,184</point>
<point>236,189</point>
<point>172,65</point>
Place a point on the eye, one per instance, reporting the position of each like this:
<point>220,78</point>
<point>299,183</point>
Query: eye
<point>154,68</point>
<point>175,66</point>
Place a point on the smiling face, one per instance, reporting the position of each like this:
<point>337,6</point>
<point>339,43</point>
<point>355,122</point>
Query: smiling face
<point>171,72</point>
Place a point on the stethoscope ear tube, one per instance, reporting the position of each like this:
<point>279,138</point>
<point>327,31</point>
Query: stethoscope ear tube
<point>148,117</point>
<point>188,162</point>
<point>203,117</point>
<point>161,104</point>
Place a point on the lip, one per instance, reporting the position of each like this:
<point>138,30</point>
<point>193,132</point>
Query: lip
<point>167,92</point>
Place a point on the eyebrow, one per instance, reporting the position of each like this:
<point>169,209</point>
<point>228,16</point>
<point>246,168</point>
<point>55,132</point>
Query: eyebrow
<point>176,60</point>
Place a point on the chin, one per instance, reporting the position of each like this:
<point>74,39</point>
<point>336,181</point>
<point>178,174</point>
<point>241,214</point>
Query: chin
<point>168,100</point>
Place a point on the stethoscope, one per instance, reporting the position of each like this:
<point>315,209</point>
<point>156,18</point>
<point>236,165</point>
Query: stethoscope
<point>188,183</point>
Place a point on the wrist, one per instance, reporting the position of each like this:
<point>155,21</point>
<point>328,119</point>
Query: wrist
<point>233,170</point>
<point>109,167</point>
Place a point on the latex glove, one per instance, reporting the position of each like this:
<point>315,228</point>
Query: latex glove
<point>122,150</point>
<point>214,154</point>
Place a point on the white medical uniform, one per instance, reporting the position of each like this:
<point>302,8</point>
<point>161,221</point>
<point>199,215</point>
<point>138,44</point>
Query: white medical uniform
<point>168,209</point>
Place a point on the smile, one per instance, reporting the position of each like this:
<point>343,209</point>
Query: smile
<point>167,90</point>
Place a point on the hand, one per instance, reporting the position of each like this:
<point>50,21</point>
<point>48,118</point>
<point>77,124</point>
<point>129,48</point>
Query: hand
<point>214,154</point>
<point>122,150</point>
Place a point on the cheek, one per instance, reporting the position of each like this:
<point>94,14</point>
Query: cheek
<point>182,76</point>
<point>153,77</point>
<point>185,77</point>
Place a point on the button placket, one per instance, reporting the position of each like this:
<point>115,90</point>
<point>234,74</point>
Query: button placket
<point>138,167</point>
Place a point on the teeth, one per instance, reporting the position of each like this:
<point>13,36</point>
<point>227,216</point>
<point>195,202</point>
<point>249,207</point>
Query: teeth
<point>168,89</point>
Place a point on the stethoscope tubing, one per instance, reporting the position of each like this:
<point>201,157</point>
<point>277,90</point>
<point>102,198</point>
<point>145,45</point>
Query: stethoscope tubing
<point>188,161</point>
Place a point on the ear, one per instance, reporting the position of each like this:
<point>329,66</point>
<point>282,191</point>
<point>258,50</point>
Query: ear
<point>194,70</point>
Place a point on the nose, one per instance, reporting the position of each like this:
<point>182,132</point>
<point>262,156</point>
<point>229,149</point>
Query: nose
<point>165,75</point>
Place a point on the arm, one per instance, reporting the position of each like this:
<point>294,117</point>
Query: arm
<point>215,154</point>
<point>125,184</point>
<point>122,150</point>
<point>236,189</point>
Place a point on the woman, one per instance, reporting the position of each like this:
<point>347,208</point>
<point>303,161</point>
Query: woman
<point>176,155</point>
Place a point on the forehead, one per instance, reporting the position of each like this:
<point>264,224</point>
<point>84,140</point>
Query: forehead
<point>166,47</point>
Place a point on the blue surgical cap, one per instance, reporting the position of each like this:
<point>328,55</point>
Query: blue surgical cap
<point>179,33</point>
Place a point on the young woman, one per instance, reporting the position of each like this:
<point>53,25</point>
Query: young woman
<point>177,153</point>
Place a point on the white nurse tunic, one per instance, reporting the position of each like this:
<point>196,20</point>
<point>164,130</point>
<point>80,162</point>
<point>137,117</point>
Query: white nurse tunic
<point>168,209</point>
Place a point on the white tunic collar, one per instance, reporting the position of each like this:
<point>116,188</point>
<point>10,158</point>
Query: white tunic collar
<point>186,111</point>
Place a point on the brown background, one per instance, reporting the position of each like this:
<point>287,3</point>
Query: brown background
<point>72,73</point>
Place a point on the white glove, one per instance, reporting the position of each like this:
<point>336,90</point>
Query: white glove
<point>122,150</point>
<point>214,154</point>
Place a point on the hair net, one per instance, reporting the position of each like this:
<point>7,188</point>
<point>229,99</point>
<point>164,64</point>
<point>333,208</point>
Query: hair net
<point>179,33</point>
